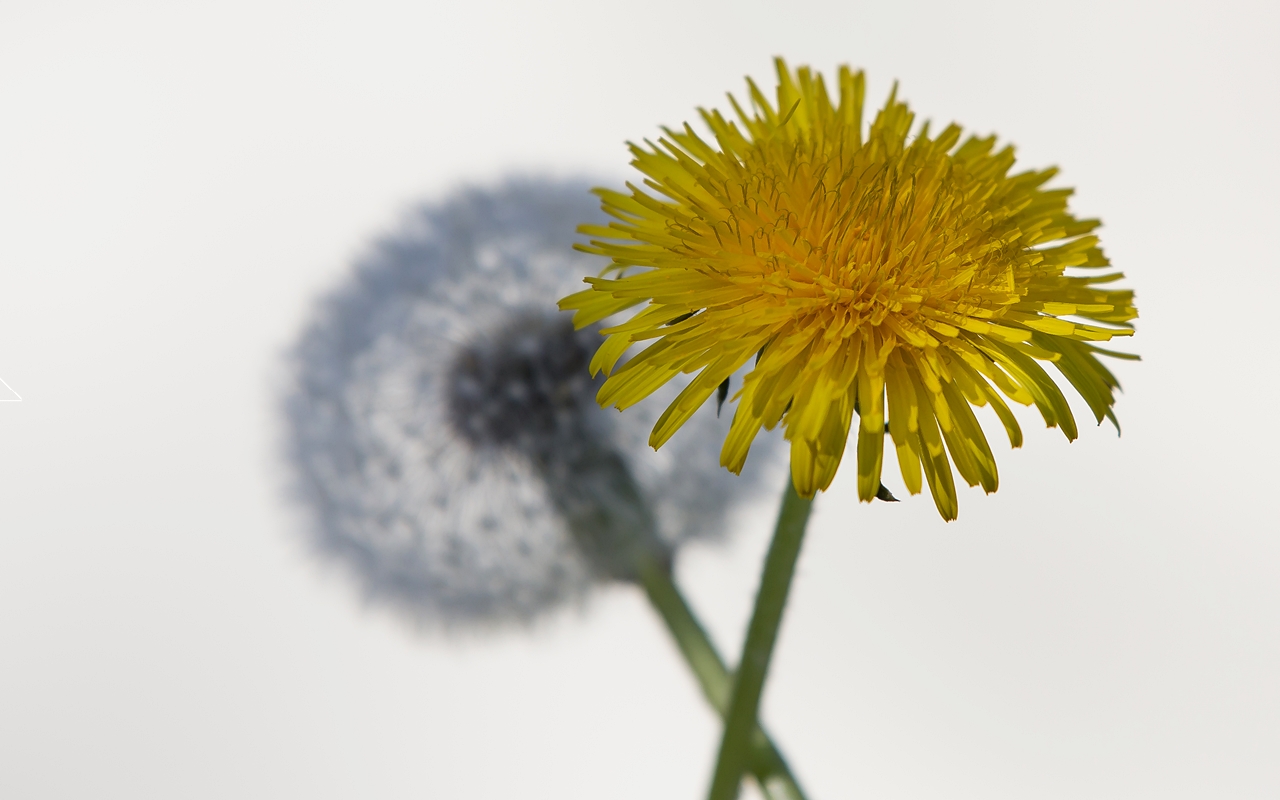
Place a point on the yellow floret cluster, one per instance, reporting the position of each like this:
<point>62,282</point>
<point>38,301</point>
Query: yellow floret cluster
<point>894,278</point>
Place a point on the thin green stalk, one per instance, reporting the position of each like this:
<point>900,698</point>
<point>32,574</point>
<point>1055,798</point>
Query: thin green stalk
<point>762,634</point>
<point>764,760</point>
<point>611,523</point>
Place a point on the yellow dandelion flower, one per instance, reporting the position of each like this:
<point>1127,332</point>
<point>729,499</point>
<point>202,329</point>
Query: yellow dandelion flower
<point>892,275</point>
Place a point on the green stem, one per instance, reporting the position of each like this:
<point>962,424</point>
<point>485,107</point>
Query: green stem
<point>764,760</point>
<point>595,492</point>
<point>762,634</point>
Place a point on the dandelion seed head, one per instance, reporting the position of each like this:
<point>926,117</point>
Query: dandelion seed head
<point>440,415</point>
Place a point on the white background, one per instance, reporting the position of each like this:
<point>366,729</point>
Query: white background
<point>179,180</point>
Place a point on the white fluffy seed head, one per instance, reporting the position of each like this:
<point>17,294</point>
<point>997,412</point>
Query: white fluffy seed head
<point>441,422</point>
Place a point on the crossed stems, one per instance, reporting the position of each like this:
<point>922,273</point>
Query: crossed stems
<point>760,756</point>
<point>613,525</point>
<point>737,751</point>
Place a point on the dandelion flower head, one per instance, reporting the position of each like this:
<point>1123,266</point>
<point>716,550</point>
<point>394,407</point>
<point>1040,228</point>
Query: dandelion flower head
<point>900,279</point>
